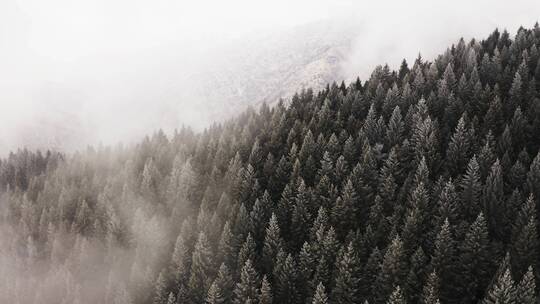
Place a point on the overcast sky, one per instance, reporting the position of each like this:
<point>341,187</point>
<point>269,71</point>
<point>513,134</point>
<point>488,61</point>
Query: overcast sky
<point>102,59</point>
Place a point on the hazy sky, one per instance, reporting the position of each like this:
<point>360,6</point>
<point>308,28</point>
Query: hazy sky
<point>108,62</point>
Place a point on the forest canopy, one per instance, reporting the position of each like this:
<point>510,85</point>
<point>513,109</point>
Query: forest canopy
<point>419,185</point>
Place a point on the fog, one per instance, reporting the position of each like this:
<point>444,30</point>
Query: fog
<point>76,72</point>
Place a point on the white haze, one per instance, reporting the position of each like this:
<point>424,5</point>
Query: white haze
<point>114,70</point>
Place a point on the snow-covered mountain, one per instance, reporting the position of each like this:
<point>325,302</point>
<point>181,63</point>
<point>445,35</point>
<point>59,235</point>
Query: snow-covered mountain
<point>172,90</point>
<point>269,67</point>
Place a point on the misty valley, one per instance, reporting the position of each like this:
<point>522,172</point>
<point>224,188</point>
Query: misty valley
<point>417,185</point>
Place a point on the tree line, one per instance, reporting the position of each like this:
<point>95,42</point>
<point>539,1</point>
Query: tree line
<point>419,185</point>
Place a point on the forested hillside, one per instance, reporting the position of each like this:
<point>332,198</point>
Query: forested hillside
<point>420,185</point>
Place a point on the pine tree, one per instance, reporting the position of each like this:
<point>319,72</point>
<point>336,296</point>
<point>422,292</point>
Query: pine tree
<point>474,261</point>
<point>286,280</point>
<point>533,179</point>
<point>395,129</point>
<point>412,287</point>
<point>347,277</point>
<point>458,149</point>
<point>181,261</point>
<point>214,295</point>
<point>524,238</point>
<point>226,246</point>
<point>430,293</point>
<point>493,200</point>
<point>161,294</point>
<point>369,274</point>
<point>225,283</point>
<point>392,270</point>
<point>526,289</point>
<point>201,269</point>
<point>470,190</point>
<point>301,216</point>
<point>396,297</point>
<point>345,209</point>
<point>503,292</point>
<point>265,296</point>
<point>525,247</point>
<point>272,243</point>
<point>447,205</point>
<point>443,262</point>
<point>247,252</point>
<point>320,295</point>
<point>247,289</point>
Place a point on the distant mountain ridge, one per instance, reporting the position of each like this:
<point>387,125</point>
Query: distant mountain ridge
<point>261,68</point>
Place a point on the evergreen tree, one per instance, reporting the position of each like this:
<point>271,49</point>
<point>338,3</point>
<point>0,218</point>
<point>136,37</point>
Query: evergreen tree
<point>458,149</point>
<point>201,269</point>
<point>246,289</point>
<point>225,283</point>
<point>493,197</point>
<point>474,261</point>
<point>503,291</point>
<point>272,243</point>
<point>396,297</point>
<point>320,295</point>
<point>286,280</point>
<point>524,238</point>
<point>430,293</point>
<point>347,277</point>
<point>415,278</point>
<point>470,190</point>
<point>214,295</point>
<point>265,296</point>
<point>392,270</point>
<point>443,262</point>
<point>247,252</point>
<point>526,289</point>
<point>161,294</point>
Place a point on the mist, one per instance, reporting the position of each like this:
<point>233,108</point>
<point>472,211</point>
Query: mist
<point>74,73</point>
<point>190,216</point>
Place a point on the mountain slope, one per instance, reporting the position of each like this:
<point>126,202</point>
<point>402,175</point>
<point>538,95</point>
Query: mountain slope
<point>421,185</point>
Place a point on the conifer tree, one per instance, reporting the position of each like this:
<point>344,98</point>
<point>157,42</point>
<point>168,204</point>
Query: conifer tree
<point>470,190</point>
<point>412,287</point>
<point>272,243</point>
<point>160,293</point>
<point>395,129</point>
<point>247,289</point>
<point>524,238</point>
<point>214,295</point>
<point>320,295</point>
<point>533,179</point>
<point>474,261</point>
<point>225,283</point>
<point>443,262</point>
<point>526,289</point>
<point>247,252</point>
<point>171,299</point>
<point>226,246</point>
<point>392,270</point>
<point>430,293</point>
<point>493,198</point>
<point>265,295</point>
<point>458,149</point>
<point>347,277</point>
<point>396,297</point>
<point>201,269</point>
<point>503,291</point>
<point>286,280</point>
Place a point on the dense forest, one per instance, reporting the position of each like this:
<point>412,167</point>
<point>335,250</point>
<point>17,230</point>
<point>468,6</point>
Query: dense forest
<point>420,185</point>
